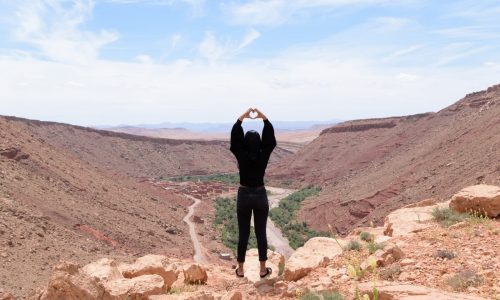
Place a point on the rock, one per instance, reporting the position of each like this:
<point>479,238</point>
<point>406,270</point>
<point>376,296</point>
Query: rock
<point>136,288</point>
<point>384,257</point>
<point>252,265</point>
<point>233,295</point>
<point>63,285</point>
<point>408,220</point>
<point>6,296</point>
<point>407,262</point>
<point>316,252</point>
<point>394,290</point>
<point>422,203</point>
<point>195,274</point>
<point>482,198</point>
<point>102,270</point>
<point>13,153</point>
<point>98,280</point>
<point>152,265</point>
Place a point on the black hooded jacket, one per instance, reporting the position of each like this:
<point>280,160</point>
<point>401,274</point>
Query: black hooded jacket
<point>252,171</point>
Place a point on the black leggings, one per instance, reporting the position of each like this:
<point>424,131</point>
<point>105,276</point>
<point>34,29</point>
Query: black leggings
<point>252,199</point>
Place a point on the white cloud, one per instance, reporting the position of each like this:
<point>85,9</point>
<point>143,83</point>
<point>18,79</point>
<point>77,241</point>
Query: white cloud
<point>53,28</point>
<point>273,12</point>
<point>214,49</point>
<point>145,59</point>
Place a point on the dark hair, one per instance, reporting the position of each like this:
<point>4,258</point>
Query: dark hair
<point>252,144</point>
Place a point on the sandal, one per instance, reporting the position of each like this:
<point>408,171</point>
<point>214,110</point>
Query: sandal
<point>268,272</point>
<point>238,274</point>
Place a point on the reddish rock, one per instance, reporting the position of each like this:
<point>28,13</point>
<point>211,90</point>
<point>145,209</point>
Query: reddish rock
<point>483,199</point>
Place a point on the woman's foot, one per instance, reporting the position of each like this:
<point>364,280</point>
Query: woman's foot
<point>239,271</point>
<point>267,271</point>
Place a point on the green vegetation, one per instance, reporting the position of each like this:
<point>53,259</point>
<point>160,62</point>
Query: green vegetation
<point>353,245</point>
<point>227,223</point>
<point>445,254</point>
<point>447,217</point>
<point>231,178</point>
<point>464,279</point>
<point>285,217</point>
<point>327,295</point>
<point>366,236</point>
<point>373,247</point>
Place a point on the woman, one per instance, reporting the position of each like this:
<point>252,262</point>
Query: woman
<point>252,155</point>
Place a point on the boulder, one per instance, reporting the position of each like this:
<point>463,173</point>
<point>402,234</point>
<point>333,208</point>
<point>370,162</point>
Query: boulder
<point>152,265</point>
<point>67,284</point>
<point>406,220</point>
<point>482,198</point>
<point>102,270</point>
<point>135,288</point>
<point>398,291</point>
<point>195,274</point>
<point>316,252</point>
<point>252,265</point>
<point>6,296</point>
<point>233,295</point>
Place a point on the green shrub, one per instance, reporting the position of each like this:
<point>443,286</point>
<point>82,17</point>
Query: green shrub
<point>353,245</point>
<point>366,236</point>
<point>464,279</point>
<point>227,223</point>
<point>447,217</point>
<point>373,247</point>
<point>231,178</point>
<point>445,254</point>
<point>285,217</point>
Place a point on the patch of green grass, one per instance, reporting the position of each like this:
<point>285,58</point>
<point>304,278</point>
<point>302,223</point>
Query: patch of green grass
<point>227,223</point>
<point>373,247</point>
<point>447,217</point>
<point>366,236</point>
<point>285,217</point>
<point>326,295</point>
<point>354,245</point>
<point>231,178</point>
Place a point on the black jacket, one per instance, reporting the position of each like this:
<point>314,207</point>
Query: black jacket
<point>252,172</point>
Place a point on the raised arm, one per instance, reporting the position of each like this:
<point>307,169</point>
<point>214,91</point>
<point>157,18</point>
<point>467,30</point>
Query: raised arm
<point>268,137</point>
<point>237,135</point>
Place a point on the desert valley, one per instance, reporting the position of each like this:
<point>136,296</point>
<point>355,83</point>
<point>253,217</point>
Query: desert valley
<point>359,209</point>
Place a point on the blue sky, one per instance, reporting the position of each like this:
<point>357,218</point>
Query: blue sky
<point>148,61</point>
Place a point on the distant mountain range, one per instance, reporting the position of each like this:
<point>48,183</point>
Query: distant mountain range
<point>208,127</point>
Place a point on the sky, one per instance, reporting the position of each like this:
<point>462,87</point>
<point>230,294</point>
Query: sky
<point>111,62</point>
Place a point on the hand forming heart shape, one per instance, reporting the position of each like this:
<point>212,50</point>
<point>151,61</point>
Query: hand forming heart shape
<point>253,114</point>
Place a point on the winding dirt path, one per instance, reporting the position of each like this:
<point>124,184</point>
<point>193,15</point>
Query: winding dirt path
<point>198,253</point>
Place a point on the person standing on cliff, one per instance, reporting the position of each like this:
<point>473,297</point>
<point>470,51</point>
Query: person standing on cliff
<point>252,154</point>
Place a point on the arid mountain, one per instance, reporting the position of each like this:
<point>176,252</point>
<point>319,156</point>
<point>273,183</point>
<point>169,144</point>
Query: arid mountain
<point>368,168</point>
<point>69,191</point>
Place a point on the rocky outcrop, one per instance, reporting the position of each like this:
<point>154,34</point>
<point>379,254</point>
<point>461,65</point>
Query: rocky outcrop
<point>252,265</point>
<point>316,252</point>
<point>483,199</point>
<point>152,265</point>
<point>13,153</point>
<point>6,296</point>
<point>105,279</point>
<point>398,291</point>
<point>195,274</point>
<point>409,219</point>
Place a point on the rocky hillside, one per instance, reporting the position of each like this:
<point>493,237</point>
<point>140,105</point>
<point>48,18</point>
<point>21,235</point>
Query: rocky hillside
<point>368,168</point>
<point>68,191</point>
<point>426,250</point>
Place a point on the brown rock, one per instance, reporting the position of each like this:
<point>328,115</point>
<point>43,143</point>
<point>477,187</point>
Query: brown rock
<point>63,285</point>
<point>136,288</point>
<point>6,296</point>
<point>195,274</point>
<point>252,265</point>
<point>233,295</point>
<point>482,198</point>
<point>393,291</point>
<point>422,203</point>
<point>316,252</point>
<point>151,265</point>
<point>408,220</point>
